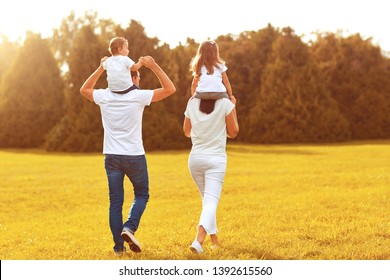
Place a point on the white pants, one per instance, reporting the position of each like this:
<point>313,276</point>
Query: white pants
<point>208,173</point>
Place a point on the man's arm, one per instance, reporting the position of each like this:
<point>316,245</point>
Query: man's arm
<point>167,86</point>
<point>87,88</point>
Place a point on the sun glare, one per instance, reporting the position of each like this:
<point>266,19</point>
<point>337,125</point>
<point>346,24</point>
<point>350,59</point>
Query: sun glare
<point>9,27</point>
<point>14,25</point>
<point>304,16</point>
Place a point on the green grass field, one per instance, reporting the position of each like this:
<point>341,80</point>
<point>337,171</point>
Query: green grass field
<point>279,202</point>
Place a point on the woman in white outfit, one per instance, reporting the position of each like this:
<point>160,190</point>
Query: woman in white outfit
<point>208,123</point>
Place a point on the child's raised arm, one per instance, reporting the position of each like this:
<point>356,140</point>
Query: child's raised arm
<point>229,90</point>
<point>136,66</point>
<point>103,59</point>
<point>225,81</point>
<point>194,84</point>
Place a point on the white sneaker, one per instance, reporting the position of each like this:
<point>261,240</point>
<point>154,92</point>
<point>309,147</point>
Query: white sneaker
<point>129,238</point>
<point>196,247</point>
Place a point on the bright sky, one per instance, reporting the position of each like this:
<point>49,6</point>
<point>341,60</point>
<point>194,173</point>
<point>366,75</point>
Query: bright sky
<point>172,21</point>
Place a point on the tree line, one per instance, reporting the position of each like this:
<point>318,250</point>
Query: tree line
<point>331,89</point>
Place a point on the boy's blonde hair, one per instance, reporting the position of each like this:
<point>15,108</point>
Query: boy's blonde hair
<point>115,44</point>
<point>207,55</point>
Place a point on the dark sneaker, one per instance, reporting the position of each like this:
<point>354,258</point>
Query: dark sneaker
<point>133,243</point>
<point>120,252</point>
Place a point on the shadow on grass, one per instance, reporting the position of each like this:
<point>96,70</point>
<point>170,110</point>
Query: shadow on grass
<point>46,153</point>
<point>256,254</point>
<point>298,148</point>
<point>274,149</point>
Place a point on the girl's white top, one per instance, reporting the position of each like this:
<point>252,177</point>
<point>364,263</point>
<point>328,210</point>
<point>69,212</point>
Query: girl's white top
<point>211,82</point>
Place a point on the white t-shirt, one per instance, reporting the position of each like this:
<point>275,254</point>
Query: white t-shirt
<point>208,132</point>
<point>118,72</point>
<point>122,120</point>
<point>211,82</point>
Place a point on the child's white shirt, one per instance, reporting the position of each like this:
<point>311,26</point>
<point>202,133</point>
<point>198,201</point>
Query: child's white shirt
<point>211,82</point>
<point>118,72</point>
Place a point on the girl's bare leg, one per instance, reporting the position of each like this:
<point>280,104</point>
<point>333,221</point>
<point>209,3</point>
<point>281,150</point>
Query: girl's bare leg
<point>201,234</point>
<point>214,239</point>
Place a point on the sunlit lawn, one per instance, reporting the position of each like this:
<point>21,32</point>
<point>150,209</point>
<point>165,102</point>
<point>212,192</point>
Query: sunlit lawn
<point>278,202</point>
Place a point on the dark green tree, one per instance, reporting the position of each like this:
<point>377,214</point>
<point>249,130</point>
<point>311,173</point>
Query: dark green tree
<point>332,89</point>
<point>359,81</point>
<point>64,36</point>
<point>32,96</point>
<point>8,51</point>
<point>80,129</point>
<point>294,105</point>
<point>247,57</point>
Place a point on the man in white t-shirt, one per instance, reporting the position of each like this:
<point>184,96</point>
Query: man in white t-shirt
<point>123,148</point>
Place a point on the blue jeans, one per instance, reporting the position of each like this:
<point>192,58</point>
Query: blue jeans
<point>135,168</point>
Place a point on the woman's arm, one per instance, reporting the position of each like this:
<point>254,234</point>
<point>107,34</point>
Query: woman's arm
<point>187,127</point>
<point>232,127</point>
